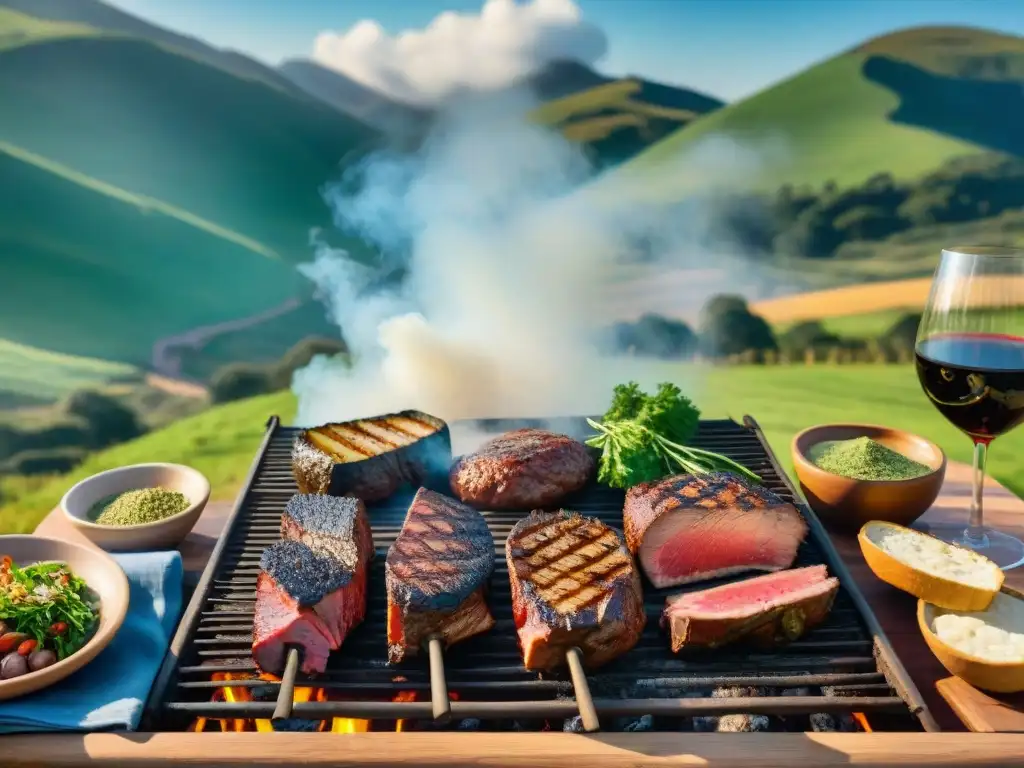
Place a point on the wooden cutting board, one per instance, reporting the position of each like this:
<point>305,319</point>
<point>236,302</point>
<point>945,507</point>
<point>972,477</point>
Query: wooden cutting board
<point>982,712</point>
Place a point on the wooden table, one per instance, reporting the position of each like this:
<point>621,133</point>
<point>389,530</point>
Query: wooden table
<point>895,611</point>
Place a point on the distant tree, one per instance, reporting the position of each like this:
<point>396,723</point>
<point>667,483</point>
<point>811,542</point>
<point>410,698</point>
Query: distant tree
<point>107,420</point>
<point>44,462</point>
<point>728,327</point>
<point>868,222</point>
<point>236,381</point>
<point>809,334</point>
<point>655,336</point>
<point>901,337</point>
<point>300,355</point>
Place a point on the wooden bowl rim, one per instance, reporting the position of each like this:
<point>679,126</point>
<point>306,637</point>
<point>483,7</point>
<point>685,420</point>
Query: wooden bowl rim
<point>804,463</point>
<point>113,614</point>
<point>923,625</point>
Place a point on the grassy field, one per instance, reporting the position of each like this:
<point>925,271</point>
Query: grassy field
<point>41,375</point>
<point>221,441</point>
<point>891,106</point>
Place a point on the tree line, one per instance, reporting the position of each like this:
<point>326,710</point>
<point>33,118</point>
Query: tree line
<point>816,223</point>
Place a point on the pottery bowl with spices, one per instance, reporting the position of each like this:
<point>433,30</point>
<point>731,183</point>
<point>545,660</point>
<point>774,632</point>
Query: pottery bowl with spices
<point>137,508</point>
<point>851,474</point>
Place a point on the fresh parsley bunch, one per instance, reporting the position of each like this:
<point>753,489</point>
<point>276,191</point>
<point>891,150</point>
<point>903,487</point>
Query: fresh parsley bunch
<point>643,438</point>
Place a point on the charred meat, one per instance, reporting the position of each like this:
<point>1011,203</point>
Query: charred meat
<point>371,458</point>
<point>766,610</point>
<point>690,528</point>
<point>522,469</point>
<point>336,528</point>
<point>303,598</point>
<point>436,572</point>
<point>574,584</point>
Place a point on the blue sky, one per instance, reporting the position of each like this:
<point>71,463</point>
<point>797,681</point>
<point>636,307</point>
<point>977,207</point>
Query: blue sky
<point>729,48</point>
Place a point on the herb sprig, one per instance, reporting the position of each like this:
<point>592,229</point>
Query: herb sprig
<point>47,602</point>
<point>643,438</point>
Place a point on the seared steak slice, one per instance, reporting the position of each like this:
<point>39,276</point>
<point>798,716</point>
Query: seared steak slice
<point>371,458</point>
<point>522,469</point>
<point>766,610</point>
<point>690,528</point>
<point>303,598</point>
<point>573,584</point>
<point>435,574</point>
<point>337,528</point>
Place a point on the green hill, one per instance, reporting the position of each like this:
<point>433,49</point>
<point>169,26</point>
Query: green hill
<point>221,442</point>
<point>901,104</point>
<point>617,119</point>
<point>147,193</point>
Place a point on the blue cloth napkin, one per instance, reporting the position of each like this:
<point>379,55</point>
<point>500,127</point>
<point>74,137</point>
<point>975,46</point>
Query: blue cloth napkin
<point>111,690</point>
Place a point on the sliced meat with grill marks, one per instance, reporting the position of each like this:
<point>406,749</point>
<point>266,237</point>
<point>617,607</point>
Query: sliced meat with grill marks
<point>766,610</point>
<point>690,528</point>
<point>574,584</point>
<point>338,528</point>
<point>522,469</point>
<point>436,573</point>
<point>371,458</point>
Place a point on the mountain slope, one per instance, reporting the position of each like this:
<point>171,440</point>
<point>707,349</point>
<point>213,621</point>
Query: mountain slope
<point>617,119</point>
<point>901,104</point>
<point>101,16</point>
<point>157,123</point>
<point>352,98</point>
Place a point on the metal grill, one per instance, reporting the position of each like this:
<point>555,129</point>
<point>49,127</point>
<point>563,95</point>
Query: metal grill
<point>844,666</point>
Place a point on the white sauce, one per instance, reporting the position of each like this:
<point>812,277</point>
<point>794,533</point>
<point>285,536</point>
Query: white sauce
<point>937,558</point>
<point>995,634</point>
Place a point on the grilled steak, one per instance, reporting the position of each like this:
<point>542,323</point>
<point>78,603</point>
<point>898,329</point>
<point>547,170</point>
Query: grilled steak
<point>522,469</point>
<point>766,610</point>
<point>371,458</point>
<point>303,598</point>
<point>690,528</point>
<point>435,574</point>
<point>338,528</point>
<point>573,585</point>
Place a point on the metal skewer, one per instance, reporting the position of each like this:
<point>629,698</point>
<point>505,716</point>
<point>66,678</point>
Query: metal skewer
<point>286,695</point>
<point>442,706</point>
<point>584,701</point>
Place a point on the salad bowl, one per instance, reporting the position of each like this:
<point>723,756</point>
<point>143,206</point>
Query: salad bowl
<point>105,591</point>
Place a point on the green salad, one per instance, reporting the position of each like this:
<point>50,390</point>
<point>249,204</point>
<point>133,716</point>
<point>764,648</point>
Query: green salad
<point>43,607</point>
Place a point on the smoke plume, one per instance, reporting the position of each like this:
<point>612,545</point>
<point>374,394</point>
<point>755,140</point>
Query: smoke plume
<point>489,50</point>
<point>511,274</point>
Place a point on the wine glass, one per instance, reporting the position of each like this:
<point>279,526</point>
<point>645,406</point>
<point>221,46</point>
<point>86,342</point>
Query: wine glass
<point>970,361</point>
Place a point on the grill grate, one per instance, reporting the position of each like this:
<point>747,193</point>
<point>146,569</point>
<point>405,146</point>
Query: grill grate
<point>844,666</point>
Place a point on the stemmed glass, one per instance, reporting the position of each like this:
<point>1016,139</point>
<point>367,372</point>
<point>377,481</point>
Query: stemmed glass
<point>970,361</point>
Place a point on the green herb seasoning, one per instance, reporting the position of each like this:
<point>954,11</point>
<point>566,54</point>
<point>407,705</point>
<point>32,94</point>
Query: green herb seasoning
<point>146,505</point>
<point>865,459</point>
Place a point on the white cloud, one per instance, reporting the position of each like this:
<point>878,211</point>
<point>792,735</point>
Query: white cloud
<point>505,41</point>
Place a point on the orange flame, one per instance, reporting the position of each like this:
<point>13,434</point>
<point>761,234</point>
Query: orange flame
<point>407,696</point>
<point>240,695</point>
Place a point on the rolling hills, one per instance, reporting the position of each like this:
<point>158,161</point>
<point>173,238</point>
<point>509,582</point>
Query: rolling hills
<point>900,104</point>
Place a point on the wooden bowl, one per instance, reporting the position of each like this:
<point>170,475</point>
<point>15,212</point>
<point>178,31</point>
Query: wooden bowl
<point>845,503</point>
<point>995,676</point>
<point>162,534</point>
<point>104,578</point>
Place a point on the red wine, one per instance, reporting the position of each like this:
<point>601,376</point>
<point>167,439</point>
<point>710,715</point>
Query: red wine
<point>976,380</point>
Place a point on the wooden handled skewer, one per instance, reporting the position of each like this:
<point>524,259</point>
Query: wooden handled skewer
<point>442,706</point>
<point>584,702</point>
<point>286,695</point>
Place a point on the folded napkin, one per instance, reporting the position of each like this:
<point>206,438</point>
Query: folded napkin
<point>111,690</point>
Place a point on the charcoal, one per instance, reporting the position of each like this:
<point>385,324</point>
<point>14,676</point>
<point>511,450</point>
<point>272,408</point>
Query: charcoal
<point>469,724</point>
<point>742,723</point>
<point>295,724</point>
<point>645,723</point>
<point>573,725</point>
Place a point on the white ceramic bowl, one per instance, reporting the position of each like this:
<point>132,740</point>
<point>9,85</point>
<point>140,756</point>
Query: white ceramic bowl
<point>163,534</point>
